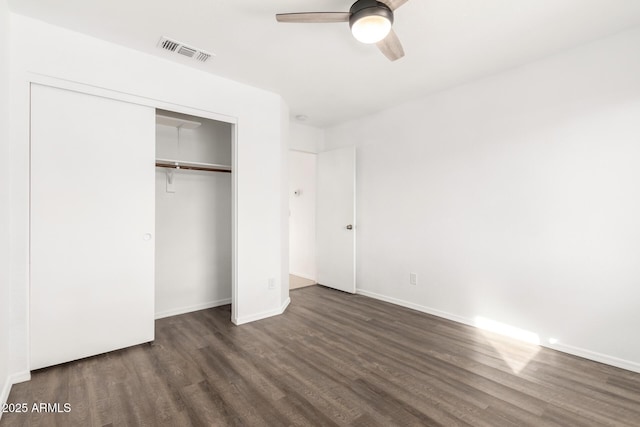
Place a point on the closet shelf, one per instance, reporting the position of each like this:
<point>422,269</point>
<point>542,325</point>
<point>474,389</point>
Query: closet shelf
<point>176,122</point>
<point>179,164</point>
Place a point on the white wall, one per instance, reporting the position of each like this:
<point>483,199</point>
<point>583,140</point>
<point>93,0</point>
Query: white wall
<point>5,300</point>
<point>515,198</point>
<point>305,138</point>
<point>193,224</point>
<point>302,214</point>
<point>42,49</point>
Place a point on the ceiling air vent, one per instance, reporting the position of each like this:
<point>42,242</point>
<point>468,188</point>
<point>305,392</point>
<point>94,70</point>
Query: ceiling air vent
<point>188,51</point>
<point>169,45</point>
<point>202,56</point>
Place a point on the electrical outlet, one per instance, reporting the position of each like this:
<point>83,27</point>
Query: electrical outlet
<point>272,283</point>
<point>413,279</point>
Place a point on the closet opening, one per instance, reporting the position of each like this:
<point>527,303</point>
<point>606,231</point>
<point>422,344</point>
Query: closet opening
<point>194,208</point>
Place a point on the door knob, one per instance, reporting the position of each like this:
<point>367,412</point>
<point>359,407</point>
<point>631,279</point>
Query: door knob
<point>349,227</point>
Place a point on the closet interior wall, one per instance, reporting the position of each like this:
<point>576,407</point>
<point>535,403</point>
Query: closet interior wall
<point>193,219</point>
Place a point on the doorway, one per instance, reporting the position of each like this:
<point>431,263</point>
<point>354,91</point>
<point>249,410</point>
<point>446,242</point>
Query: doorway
<point>302,219</point>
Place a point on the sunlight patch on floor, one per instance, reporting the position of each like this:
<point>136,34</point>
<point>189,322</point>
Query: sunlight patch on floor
<point>516,354</point>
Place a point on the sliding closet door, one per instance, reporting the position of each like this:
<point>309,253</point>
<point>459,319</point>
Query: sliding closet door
<point>92,224</point>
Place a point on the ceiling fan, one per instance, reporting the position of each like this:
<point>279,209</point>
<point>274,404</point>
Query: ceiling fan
<point>370,22</point>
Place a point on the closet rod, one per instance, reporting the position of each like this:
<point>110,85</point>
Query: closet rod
<point>194,168</point>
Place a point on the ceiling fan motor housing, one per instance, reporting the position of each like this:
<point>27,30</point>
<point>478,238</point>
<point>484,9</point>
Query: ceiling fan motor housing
<point>363,8</point>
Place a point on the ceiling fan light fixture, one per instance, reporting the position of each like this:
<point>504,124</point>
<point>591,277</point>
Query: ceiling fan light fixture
<point>371,22</point>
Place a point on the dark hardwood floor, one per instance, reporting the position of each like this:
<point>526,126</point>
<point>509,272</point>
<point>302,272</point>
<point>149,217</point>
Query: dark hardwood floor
<point>331,359</point>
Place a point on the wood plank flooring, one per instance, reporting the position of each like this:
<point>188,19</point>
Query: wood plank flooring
<point>332,359</point>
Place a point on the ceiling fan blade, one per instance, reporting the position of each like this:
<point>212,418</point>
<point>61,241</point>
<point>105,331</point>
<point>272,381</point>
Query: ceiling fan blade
<point>394,4</point>
<point>391,47</point>
<point>313,17</point>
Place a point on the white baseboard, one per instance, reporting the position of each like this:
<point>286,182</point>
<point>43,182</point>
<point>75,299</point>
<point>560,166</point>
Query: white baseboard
<point>12,379</point>
<point>4,393</point>
<point>189,309</point>
<point>20,377</point>
<point>597,357</point>
<point>262,315</point>
<point>565,348</point>
<point>416,307</point>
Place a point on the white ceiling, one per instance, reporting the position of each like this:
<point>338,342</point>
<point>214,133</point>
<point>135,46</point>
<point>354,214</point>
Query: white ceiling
<point>320,69</point>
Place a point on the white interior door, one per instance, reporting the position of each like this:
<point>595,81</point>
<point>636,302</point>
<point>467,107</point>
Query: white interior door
<point>335,221</point>
<point>92,225</point>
